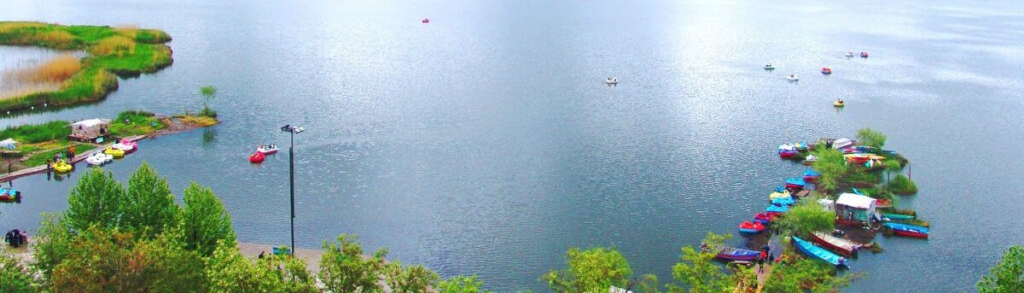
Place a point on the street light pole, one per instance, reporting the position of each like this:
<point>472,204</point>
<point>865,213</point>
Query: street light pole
<point>292,130</point>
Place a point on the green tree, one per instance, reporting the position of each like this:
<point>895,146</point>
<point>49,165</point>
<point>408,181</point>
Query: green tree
<point>806,217</point>
<point>698,269</point>
<point>229,272</point>
<point>832,166</point>
<point>343,268</point>
<point>870,137</point>
<point>1007,276</point>
<point>148,206</point>
<point>590,271</point>
<point>805,275</point>
<point>95,200</point>
<point>413,279</point>
<point>14,278</point>
<point>113,261</point>
<point>461,284</point>
<point>293,273</point>
<point>209,93</point>
<point>53,243</point>
<point>205,222</point>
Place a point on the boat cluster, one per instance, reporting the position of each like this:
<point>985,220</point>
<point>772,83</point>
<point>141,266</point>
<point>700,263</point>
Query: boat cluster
<point>824,71</point>
<point>851,209</point>
<point>97,158</point>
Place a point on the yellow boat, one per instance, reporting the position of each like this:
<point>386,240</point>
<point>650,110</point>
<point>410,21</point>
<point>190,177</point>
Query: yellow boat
<point>839,103</point>
<point>61,167</point>
<point>778,194</point>
<point>117,153</point>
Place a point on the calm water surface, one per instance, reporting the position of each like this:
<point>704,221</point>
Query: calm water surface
<point>486,142</point>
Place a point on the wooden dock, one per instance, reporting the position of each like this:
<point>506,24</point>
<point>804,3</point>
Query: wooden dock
<point>78,158</point>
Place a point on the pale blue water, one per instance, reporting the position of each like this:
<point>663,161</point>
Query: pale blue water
<point>487,143</point>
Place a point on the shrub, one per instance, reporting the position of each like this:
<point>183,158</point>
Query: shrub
<point>902,185</point>
<point>117,45</point>
<point>37,133</point>
<point>207,112</point>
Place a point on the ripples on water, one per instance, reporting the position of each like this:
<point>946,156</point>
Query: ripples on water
<point>486,141</point>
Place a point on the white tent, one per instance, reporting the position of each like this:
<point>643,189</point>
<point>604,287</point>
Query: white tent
<point>828,204</point>
<point>856,207</point>
<point>8,143</point>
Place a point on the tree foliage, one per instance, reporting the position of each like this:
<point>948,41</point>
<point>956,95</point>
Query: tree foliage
<point>806,217</point>
<point>96,200</point>
<point>148,206</point>
<point>413,279</point>
<point>112,261</point>
<point>1007,276</point>
<point>461,284</point>
<point>57,234</point>
<point>870,137</point>
<point>228,271</point>
<point>832,166</point>
<point>14,278</point>
<point>698,271</point>
<point>205,221</point>
<point>590,271</point>
<point>343,268</point>
<point>805,275</point>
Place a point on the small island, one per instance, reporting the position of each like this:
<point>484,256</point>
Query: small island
<point>112,52</point>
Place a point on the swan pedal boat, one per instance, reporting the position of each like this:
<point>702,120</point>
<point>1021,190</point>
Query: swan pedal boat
<point>117,153</point>
<point>126,145</point>
<point>97,159</point>
<point>62,167</point>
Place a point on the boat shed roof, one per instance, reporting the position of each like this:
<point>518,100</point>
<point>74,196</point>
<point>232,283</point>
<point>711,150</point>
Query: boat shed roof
<point>855,201</point>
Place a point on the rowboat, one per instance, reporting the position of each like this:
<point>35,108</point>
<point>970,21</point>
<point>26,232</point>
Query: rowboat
<point>908,230</point>
<point>776,208</point>
<point>765,217</point>
<point>820,253</point>
<point>811,175</point>
<point>783,201</point>
<point>898,216</point>
<point>751,227</point>
<point>731,253</point>
<point>795,183</point>
<point>840,245</point>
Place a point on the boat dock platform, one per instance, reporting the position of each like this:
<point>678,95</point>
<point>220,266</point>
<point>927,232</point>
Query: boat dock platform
<point>78,158</point>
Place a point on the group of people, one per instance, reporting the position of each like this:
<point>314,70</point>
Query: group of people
<point>15,238</point>
<point>58,156</point>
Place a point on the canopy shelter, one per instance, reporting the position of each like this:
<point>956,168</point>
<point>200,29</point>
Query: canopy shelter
<point>855,207</point>
<point>88,130</point>
<point>8,144</point>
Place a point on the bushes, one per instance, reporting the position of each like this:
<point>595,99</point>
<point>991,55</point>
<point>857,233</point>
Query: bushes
<point>130,123</point>
<point>902,185</point>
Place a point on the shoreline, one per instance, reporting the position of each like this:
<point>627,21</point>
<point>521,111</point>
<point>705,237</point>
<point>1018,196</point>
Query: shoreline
<point>174,126</point>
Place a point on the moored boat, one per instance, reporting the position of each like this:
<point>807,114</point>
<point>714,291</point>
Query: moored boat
<point>908,230</point>
<point>839,245</point>
<point>737,254</point>
<point>779,192</point>
<point>126,145</point>
<point>826,70</point>
<point>795,183</point>
<point>611,80</point>
<point>751,227</point>
<point>811,175</point>
<point>787,151</point>
<point>784,201</point>
<point>898,216</point>
<point>117,153</point>
<point>765,217</point>
<point>98,158</point>
<point>820,253</point>
<point>777,208</point>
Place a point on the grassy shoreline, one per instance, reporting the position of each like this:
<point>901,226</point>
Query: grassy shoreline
<point>37,142</point>
<point>113,52</point>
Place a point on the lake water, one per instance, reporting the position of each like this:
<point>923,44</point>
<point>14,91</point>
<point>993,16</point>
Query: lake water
<point>487,143</point>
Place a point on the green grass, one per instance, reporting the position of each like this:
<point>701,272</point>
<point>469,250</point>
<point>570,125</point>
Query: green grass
<point>856,175</point>
<point>26,134</point>
<point>40,158</point>
<point>902,185</point>
<point>131,123</point>
<point>97,78</point>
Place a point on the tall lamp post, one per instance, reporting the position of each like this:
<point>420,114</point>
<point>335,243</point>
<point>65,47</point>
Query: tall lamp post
<point>292,129</point>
